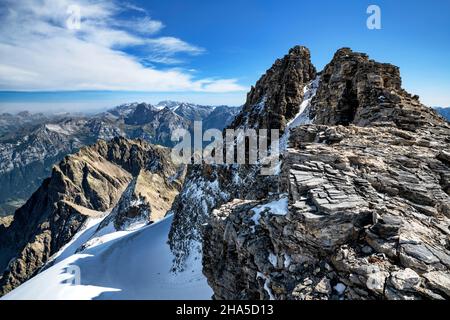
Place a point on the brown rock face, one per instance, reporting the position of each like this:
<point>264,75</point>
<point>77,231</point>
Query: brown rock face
<point>85,184</point>
<point>355,89</point>
<point>147,198</point>
<point>274,100</point>
<point>362,209</point>
<point>276,97</point>
<point>368,214</point>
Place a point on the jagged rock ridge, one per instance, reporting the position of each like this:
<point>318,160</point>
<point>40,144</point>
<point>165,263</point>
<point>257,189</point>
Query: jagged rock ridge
<point>367,218</point>
<point>359,211</point>
<point>30,144</point>
<point>274,100</point>
<point>277,95</point>
<point>27,156</point>
<point>88,183</point>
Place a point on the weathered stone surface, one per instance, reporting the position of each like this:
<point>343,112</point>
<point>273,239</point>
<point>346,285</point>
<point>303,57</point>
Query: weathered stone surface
<point>405,280</point>
<point>355,89</point>
<point>341,203</point>
<point>439,280</point>
<point>273,101</point>
<point>6,221</point>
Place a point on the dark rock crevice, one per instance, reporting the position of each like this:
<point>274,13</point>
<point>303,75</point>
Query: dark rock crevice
<point>348,106</point>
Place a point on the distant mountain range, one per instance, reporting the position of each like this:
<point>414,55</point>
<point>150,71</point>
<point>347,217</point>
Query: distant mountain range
<point>30,144</point>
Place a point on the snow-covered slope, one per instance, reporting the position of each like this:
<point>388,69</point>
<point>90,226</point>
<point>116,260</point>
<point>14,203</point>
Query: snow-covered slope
<point>122,265</point>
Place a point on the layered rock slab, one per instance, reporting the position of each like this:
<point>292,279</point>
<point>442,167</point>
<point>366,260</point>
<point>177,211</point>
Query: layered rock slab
<point>368,218</point>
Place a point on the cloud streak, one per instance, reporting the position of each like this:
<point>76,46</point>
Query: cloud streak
<point>39,53</point>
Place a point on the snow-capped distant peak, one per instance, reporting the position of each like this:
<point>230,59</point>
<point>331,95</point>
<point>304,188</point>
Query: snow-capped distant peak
<point>58,128</point>
<point>172,105</point>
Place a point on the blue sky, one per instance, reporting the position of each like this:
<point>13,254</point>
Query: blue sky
<point>203,51</point>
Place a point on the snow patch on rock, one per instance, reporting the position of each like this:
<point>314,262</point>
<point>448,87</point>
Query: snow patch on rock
<point>302,117</point>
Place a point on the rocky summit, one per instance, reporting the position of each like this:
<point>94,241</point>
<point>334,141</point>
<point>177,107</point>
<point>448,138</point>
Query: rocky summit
<point>88,184</point>
<point>360,208</point>
<point>275,99</point>
<point>277,96</point>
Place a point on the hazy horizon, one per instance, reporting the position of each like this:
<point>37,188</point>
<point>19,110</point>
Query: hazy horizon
<point>100,105</point>
<point>90,107</point>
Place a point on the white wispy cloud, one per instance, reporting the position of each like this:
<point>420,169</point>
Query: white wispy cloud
<point>173,45</point>
<point>143,25</point>
<point>39,52</point>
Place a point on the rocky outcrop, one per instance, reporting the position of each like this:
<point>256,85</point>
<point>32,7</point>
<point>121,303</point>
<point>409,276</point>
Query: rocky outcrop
<point>355,89</point>
<point>277,95</point>
<point>367,216</point>
<point>362,207</point>
<point>83,184</point>
<point>275,99</point>
<point>147,198</point>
